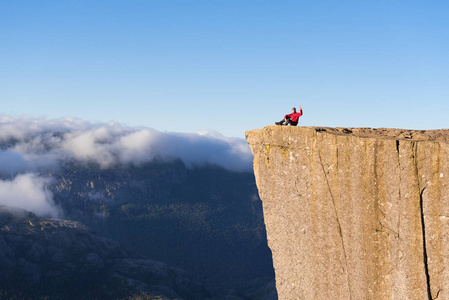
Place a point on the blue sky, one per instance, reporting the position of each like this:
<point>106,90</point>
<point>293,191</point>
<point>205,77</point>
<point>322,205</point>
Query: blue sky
<point>227,65</point>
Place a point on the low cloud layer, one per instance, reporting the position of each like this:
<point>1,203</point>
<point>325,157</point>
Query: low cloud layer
<point>31,144</point>
<point>28,192</point>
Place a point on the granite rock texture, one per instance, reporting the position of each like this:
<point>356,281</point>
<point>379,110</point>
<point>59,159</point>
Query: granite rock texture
<point>355,213</point>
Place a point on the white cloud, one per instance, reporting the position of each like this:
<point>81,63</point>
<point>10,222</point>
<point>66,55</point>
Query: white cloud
<point>44,143</point>
<point>31,144</point>
<point>27,191</point>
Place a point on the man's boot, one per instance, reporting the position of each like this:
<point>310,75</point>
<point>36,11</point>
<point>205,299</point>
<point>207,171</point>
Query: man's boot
<point>280,122</point>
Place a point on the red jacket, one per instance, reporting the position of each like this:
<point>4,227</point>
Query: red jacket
<point>294,116</point>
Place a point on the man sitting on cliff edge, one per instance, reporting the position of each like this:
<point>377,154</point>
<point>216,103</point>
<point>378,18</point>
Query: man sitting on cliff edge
<point>292,118</point>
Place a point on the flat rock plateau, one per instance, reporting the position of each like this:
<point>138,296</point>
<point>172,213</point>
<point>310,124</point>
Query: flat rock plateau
<point>355,213</point>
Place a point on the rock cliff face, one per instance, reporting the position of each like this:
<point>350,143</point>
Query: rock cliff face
<point>355,213</point>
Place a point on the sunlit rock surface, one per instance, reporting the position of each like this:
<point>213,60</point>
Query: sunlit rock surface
<point>355,213</point>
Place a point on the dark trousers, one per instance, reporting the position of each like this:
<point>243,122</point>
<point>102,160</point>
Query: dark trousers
<point>288,121</point>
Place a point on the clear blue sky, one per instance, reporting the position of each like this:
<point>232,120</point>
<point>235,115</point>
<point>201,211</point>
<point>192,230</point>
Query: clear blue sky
<point>228,65</point>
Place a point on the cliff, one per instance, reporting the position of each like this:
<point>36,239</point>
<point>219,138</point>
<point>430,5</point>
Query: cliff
<point>355,213</point>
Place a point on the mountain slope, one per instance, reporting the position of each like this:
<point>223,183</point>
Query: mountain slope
<point>62,259</point>
<point>206,220</point>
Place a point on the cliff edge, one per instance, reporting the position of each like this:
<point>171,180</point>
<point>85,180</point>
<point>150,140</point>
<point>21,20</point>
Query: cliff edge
<point>355,213</point>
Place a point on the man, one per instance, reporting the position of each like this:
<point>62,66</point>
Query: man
<point>291,119</point>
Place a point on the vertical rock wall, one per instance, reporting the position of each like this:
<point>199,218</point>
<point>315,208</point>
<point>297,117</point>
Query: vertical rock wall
<point>355,213</point>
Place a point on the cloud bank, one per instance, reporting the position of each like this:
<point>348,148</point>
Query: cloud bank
<point>31,144</point>
<point>28,143</point>
<point>27,191</point>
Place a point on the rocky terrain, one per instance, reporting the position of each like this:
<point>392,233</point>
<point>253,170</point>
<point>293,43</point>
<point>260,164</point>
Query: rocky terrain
<point>206,221</point>
<point>61,259</point>
<point>355,213</point>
